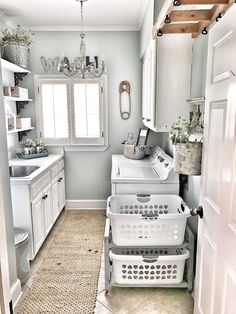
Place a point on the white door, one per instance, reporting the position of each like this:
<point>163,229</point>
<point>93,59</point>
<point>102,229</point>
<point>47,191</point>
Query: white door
<point>215,285</point>
<point>61,186</point>
<point>47,206</point>
<point>38,223</point>
<point>55,198</point>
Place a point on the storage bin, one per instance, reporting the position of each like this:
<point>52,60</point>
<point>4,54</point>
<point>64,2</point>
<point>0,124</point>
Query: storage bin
<point>19,92</point>
<point>23,123</point>
<point>148,265</point>
<point>147,220</point>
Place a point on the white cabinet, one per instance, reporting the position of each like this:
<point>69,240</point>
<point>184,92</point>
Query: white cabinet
<point>166,81</point>
<point>37,204</point>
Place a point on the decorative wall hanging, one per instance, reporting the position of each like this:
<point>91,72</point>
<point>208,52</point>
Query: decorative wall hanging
<point>49,65</point>
<point>124,87</point>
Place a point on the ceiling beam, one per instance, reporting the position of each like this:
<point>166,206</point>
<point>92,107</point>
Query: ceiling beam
<point>191,15</point>
<point>213,2</point>
<point>215,11</point>
<point>180,20</point>
<point>183,28</point>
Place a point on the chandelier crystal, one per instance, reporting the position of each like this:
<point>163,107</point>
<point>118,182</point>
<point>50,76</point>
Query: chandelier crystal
<point>81,67</point>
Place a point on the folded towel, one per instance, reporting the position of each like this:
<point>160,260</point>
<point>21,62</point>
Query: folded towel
<point>129,150</point>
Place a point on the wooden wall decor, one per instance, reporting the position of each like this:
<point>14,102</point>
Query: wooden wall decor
<point>189,16</point>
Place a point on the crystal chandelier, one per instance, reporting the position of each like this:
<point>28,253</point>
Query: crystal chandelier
<point>81,67</point>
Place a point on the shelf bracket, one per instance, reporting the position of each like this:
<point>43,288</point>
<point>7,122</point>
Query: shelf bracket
<point>21,134</point>
<point>20,105</point>
<point>19,77</point>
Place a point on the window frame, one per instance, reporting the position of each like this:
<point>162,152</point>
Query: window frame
<point>73,143</point>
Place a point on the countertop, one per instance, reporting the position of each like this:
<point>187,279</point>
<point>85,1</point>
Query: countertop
<point>45,163</point>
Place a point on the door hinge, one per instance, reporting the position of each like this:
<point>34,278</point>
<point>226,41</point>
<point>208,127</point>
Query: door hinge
<point>38,89</point>
<point>101,89</point>
<point>102,133</point>
<point>40,134</point>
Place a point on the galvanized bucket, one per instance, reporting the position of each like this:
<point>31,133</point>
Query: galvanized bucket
<point>188,158</point>
<point>17,53</point>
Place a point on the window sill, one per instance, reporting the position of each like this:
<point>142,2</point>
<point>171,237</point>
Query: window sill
<point>81,148</point>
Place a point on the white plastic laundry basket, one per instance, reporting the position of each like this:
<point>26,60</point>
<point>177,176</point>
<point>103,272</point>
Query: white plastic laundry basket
<point>147,220</point>
<point>148,265</point>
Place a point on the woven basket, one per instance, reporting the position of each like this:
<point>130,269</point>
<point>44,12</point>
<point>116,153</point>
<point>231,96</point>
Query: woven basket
<point>188,158</point>
<point>17,53</point>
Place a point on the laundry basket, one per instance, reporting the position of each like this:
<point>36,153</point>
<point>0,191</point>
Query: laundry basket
<point>148,265</point>
<point>147,220</point>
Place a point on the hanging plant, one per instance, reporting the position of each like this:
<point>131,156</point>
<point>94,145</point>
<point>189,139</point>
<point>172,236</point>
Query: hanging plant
<point>16,45</point>
<point>187,149</point>
<point>18,35</point>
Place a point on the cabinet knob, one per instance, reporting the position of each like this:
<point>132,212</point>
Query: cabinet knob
<point>148,120</point>
<point>143,118</point>
<point>60,179</point>
<point>44,197</point>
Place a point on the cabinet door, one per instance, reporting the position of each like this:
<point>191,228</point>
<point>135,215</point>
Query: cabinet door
<point>38,223</point>
<point>55,198</point>
<point>61,189</point>
<point>47,204</point>
<point>174,59</point>
<point>148,82</point>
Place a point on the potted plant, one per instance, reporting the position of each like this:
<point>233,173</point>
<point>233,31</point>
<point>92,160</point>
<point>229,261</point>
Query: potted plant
<point>16,45</point>
<point>39,145</point>
<point>187,148</point>
<point>28,146</point>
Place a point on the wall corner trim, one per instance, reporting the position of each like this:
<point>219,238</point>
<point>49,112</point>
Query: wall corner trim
<point>16,292</point>
<point>86,204</point>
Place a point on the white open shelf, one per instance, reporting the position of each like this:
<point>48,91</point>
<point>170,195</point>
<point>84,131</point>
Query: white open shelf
<point>19,130</point>
<point>6,65</point>
<point>15,98</point>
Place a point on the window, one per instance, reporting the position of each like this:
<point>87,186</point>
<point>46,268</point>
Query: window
<point>71,111</point>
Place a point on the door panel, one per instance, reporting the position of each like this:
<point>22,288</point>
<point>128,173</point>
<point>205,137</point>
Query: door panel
<point>222,66</point>
<point>215,284</point>
<point>47,204</point>
<point>38,223</point>
<point>55,199</point>
<point>217,117</point>
<point>207,283</point>
<point>229,291</point>
<point>61,190</point>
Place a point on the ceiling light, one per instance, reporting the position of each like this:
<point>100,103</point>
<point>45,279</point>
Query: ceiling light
<point>81,67</point>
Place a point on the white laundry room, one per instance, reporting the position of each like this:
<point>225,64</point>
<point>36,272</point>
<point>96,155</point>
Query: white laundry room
<point>117,157</point>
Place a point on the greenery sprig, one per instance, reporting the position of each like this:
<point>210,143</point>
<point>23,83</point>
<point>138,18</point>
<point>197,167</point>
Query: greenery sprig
<point>182,129</point>
<point>18,35</point>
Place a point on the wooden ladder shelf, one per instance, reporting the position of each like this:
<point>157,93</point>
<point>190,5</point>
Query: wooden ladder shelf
<point>189,16</point>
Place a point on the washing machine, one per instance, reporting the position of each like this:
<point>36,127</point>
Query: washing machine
<point>152,175</point>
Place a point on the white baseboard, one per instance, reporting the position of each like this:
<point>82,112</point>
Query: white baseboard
<point>86,204</point>
<point>16,292</point>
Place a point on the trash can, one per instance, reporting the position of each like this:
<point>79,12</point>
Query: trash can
<point>22,254</point>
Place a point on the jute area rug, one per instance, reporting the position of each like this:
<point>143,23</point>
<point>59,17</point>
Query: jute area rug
<point>67,281</point>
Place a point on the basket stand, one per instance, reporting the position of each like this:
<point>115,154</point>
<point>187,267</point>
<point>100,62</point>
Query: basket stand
<point>187,283</point>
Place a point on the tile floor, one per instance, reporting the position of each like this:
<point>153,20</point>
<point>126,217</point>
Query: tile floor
<point>122,300</point>
<point>141,300</point>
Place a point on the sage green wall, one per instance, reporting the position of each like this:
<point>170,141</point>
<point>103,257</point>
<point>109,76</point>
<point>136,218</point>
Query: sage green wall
<point>88,173</point>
